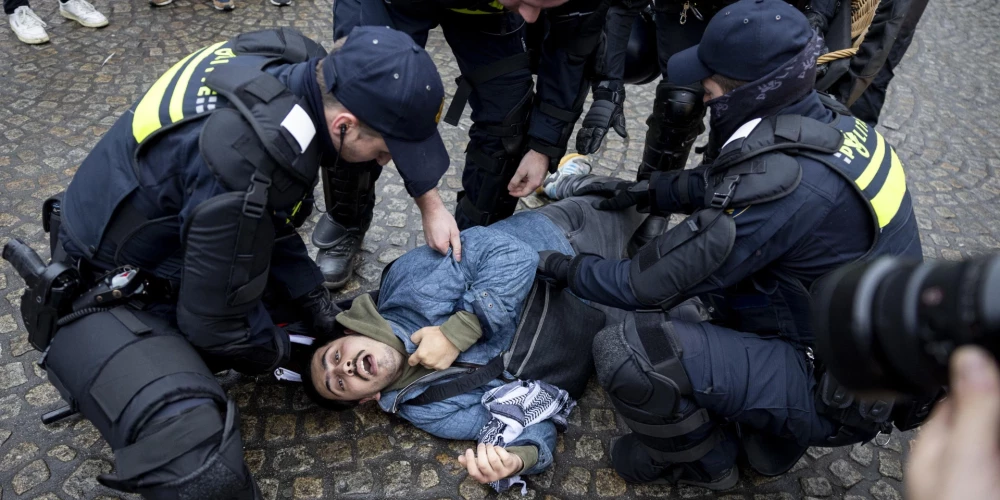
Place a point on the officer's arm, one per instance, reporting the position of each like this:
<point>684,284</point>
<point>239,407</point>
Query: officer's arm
<point>573,34</point>
<point>678,191</point>
<point>218,305</point>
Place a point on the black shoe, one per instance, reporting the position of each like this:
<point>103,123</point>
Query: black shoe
<point>653,226</point>
<point>339,246</point>
<point>634,465</point>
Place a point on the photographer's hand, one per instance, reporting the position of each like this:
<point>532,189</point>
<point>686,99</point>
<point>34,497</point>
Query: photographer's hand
<point>957,452</point>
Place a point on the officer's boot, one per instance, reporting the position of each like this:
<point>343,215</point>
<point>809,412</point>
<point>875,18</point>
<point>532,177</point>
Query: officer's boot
<point>674,125</point>
<point>350,198</point>
<point>706,462</point>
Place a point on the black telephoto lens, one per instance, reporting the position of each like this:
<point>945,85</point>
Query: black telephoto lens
<point>891,324</point>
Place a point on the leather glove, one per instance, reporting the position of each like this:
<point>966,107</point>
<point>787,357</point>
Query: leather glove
<point>319,311</point>
<point>620,195</point>
<point>606,112</point>
<point>553,267</point>
<point>819,24</point>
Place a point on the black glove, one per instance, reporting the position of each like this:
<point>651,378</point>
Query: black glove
<point>620,194</point>
<point>319,311</point>
<point>606,112</point>
<point>553,267</point>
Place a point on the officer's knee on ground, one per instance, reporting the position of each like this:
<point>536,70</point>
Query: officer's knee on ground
<point>149,394</point>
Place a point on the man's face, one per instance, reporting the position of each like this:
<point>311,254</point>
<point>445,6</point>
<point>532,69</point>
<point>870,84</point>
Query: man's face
<point>356,146</point>
<point>530,9</point>
<point>712,89</point>
<point>354,368</point>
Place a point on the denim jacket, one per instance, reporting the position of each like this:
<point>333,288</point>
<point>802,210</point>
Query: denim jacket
<point>424,288</point>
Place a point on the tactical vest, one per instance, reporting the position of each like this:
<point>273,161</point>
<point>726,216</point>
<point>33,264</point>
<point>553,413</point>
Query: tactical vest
<point>257,138</point>
<point>756,166</point>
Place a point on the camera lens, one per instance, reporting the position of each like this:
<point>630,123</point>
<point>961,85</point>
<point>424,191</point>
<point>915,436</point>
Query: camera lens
<point>892,324</point>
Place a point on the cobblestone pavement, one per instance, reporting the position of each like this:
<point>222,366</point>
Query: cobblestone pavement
<point>58,99</point>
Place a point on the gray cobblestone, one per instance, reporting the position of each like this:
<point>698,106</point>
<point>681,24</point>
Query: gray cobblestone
<point>51,117</point>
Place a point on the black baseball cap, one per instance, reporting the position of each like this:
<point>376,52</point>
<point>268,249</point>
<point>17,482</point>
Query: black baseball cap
<point>744,41</point>
<point>391,84</point>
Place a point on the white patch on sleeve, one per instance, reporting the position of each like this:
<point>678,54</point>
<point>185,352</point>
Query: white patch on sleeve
<point>300,125</point>
<point>743,131</point>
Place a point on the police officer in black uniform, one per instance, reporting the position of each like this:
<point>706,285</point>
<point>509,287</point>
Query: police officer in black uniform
<point>516,136</point>
<point>796,190</point>
<point>200,188</point>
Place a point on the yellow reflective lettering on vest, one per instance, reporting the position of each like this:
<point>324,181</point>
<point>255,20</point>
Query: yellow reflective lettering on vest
<point>147,113</point>
<point>873,166</point>
<point>494,7</point>
<point>888,200</point>
<point>180,89</point>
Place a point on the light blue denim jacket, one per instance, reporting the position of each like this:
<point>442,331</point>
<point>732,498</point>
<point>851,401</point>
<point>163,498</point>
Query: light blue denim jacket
<point>424,288</point>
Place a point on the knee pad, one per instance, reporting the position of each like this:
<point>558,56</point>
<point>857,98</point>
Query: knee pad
<point>638,364</point>
<point>173,431</point>
<point>679,106</point>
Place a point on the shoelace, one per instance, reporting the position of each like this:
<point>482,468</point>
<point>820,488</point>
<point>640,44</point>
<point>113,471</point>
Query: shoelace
<point>85,7</point>
<point>29,19</point>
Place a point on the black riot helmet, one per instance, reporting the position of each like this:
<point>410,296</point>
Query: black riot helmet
<point>641,64</point>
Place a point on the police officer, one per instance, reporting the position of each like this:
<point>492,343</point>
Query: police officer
<point>516,136</point>
<point>796,190</point>
<point>200,187</point>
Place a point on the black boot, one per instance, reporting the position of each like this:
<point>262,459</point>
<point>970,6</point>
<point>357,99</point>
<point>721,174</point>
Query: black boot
<point>635,463</point>
<point>674,125</point>
<point>350,199</point>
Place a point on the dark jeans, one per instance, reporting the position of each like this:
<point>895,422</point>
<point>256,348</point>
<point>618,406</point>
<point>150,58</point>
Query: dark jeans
<point>868,107</point>
<point>9,6</point>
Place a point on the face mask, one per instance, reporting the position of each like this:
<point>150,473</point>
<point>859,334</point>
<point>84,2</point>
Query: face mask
<point>765,96</point>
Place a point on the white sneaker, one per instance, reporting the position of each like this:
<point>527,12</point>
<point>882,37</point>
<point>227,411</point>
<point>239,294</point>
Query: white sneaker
<point>83,13</point>
<point>570,165</point>
<point>28,27</point>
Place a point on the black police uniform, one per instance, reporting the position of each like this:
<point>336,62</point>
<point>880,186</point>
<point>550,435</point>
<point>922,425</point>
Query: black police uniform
<point>801,194</point>
<point>200,185</point>
<point>489,45</point>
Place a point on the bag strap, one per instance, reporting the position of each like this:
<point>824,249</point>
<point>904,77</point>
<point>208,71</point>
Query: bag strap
<point>478,377</point>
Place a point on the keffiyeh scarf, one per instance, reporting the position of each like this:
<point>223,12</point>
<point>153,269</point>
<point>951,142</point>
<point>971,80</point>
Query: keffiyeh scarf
<point>517,405</point>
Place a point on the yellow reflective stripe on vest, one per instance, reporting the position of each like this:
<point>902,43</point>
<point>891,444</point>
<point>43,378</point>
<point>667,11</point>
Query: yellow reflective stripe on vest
<point>177,99</point>
<point>495,4</point>
<point>869,174</point>
<point>881,179</point>
<point>146,119</point>
<point>888,200</point>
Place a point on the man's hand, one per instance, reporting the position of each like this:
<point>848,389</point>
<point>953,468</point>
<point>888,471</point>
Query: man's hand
<point>620,194</point>
<point>440,228</point>
<point>553,267</point>
<point>434,350</point>
<point>530,174</point>
<point>490,463</point>
<point>606,112</point>
<point>957,452</point>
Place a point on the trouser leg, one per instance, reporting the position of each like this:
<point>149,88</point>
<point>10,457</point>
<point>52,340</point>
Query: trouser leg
<point>599,232</point>
<point>501,106</point>
<point>702,374</point>
<point>145,389</point>
<point>868,107</point>
<point>9,6</point>
<point>349,14</point>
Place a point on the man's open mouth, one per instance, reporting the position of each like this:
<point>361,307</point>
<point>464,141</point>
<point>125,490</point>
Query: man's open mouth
<point>369,365</point>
